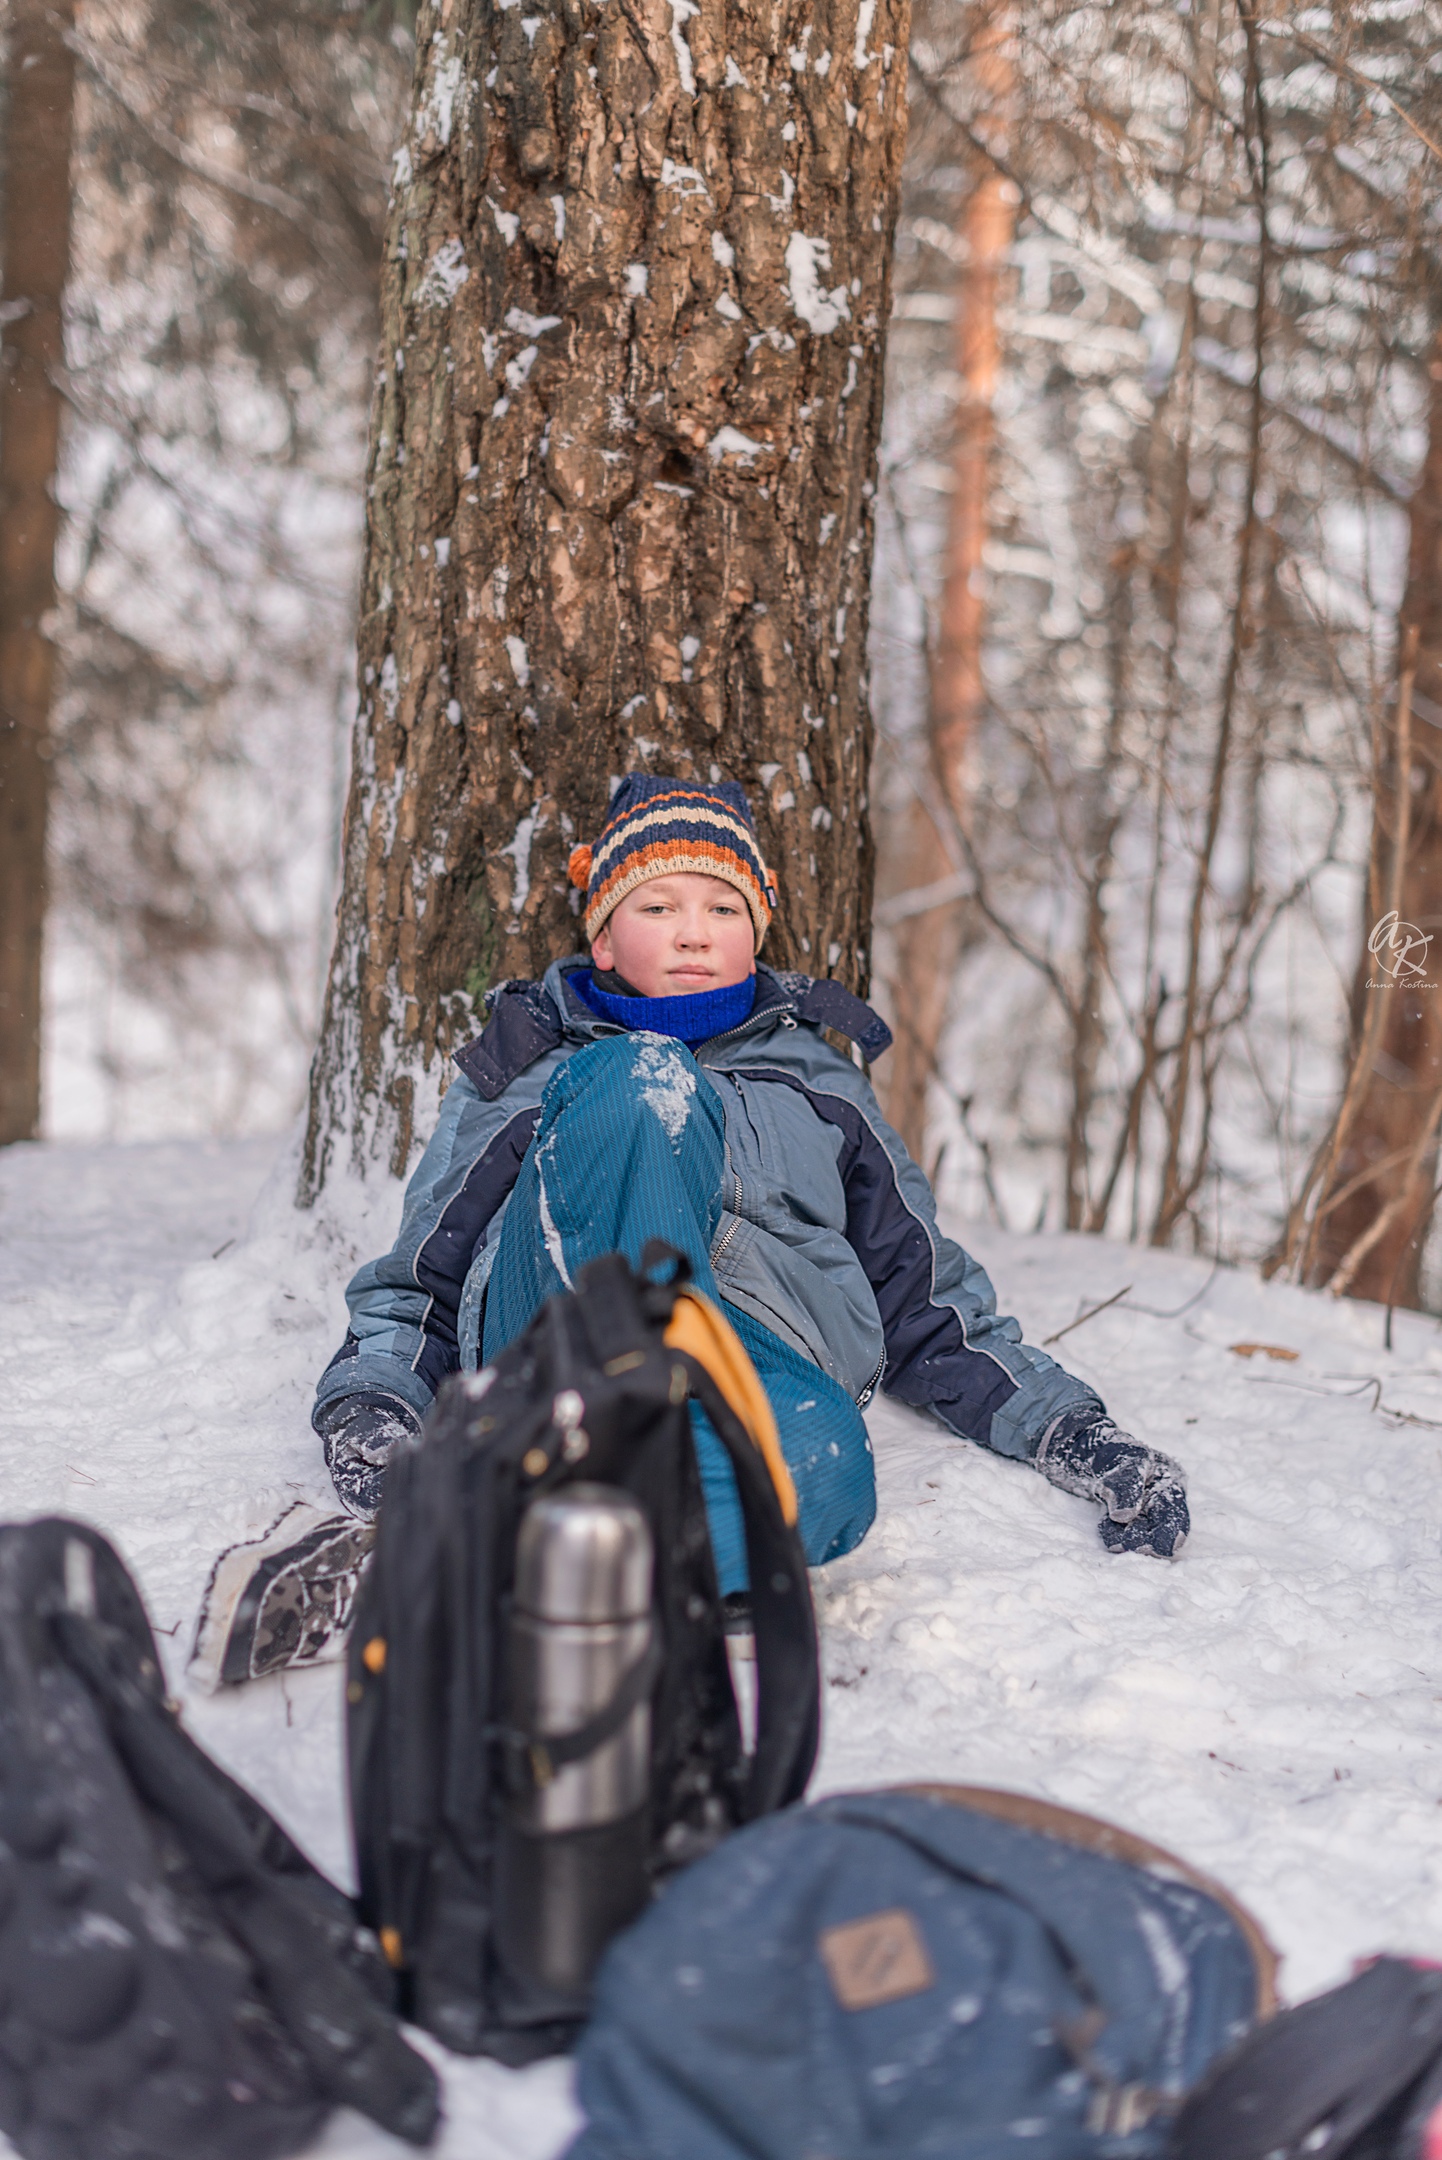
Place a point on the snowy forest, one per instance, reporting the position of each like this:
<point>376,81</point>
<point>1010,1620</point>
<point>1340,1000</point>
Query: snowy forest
<point>1003,436</point>
<point>1154,513</point>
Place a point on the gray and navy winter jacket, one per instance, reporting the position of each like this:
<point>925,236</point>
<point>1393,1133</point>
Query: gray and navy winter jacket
<point>827,1234</point>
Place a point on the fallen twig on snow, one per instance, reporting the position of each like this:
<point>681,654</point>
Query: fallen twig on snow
<point>1370,1380</point>
<point>1082,1318</point>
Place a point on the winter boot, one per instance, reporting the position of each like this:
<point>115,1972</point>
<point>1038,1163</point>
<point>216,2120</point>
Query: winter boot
<point>283,1600</point>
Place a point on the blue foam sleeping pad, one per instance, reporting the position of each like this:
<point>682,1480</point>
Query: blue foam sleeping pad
<point>1009,1995</point>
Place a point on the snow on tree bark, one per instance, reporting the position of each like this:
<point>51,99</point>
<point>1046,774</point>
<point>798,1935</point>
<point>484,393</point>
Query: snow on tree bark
<point>36,252</point>
<point>634,309</point>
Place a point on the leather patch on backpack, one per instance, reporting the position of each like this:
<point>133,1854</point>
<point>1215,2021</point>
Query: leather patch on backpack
<point>877,1960</point>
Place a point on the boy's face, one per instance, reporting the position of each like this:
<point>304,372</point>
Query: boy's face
<point>675,935</point>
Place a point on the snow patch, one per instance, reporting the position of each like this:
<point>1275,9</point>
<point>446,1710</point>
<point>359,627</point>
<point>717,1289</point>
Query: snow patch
<point>638,277</point>
<point>530,326</point>
<point>518,371</point>
<point>733,79</point>
<point>519,850</point>
<point>668,1082</point>
<point>681,13</point>
<point>727,307</point>
<point>438,107</point>
<point>520,660</point>
<point>446,273</point>
<point>684,178</point>
<point>558,212</point>
<point>722,251</point>
<point>390,686</point>
<point>1173,1972</point>
<point>556,1251</point>
<point>507,222</point>
<point>806,258</point>
<point>730,442</point>
<point>865,17</point>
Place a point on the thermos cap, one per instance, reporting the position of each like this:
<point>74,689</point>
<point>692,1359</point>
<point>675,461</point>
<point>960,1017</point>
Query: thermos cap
<point>584,1554</point>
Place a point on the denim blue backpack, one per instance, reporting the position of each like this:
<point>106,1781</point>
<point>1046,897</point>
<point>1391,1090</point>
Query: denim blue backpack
<point>898,1974</point>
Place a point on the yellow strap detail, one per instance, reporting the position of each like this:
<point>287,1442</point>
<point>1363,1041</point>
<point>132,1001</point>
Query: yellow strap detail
<point>702,1331</point>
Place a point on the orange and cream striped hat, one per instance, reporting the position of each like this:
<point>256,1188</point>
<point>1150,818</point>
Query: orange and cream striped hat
<point>658,827</point>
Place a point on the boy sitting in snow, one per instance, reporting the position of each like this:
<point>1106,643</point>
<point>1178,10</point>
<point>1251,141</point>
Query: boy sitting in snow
<point>672,1087</point>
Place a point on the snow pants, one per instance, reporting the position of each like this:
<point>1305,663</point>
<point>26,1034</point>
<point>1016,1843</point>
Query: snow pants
<point>631,1145</point>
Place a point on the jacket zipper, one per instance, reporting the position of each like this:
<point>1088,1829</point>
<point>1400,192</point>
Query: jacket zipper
<point>752,1026</point>
<point>872,1384</point>
<point>735,1213</point>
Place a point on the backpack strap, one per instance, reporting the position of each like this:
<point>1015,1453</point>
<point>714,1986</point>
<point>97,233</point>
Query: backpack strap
<point>536,1757</point>
<point>700,1329</point>
<point>788,1679</point>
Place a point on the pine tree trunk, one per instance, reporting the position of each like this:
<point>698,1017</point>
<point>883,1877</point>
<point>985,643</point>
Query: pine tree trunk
<point>36,254</point>
<point>634,308</point>
<point>1370,1242</point>
<point>928,943</point>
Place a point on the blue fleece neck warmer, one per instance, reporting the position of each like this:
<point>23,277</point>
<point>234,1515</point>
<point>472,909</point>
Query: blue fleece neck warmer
<point>692,1018</point>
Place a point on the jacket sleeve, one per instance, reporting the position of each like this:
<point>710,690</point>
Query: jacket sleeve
<point>948,1350</point>
<point>405,1307</point>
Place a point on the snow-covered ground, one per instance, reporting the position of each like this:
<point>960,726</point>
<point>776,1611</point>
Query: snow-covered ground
<point>1270,1706</point>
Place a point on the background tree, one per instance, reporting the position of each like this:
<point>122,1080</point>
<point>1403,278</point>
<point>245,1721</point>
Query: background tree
<point>229,192</point>
<point>619,505</point>
<point>1374,1178</point>
<point>1209,423</point>
<point>928,911</point>
<point>35,238</point>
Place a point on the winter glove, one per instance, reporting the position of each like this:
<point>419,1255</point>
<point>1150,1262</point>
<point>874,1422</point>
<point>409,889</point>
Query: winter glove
<point>360,1433</point>
<point>1143,1498</point>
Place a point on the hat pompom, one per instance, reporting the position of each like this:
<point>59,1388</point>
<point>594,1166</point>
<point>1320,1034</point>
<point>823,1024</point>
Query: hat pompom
<point>578,869</point>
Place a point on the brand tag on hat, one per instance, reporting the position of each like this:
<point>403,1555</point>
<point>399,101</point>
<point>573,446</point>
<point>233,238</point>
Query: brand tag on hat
<point>877,1960</point>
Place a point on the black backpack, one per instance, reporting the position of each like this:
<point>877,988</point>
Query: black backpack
<point>1355,2074</point>
<point>596,1388</point>
<point>177,1982</point>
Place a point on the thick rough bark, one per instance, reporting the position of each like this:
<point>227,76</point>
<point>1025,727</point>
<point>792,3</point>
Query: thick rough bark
<point>35,239</point>
<point>1370,1240</point>
<point>634,307</point>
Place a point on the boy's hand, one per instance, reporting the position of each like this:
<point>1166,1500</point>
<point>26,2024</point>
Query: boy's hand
<point>359,1434</point>
<point>1142,1493</point>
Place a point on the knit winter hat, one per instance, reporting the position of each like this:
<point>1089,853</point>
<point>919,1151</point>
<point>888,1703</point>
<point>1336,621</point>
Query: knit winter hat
<point>658,827</point>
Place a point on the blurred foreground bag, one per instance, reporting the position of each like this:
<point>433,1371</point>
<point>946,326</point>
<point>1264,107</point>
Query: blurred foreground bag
<point>1355,2074</point>
<point>943,1973</point>
<point>491,1893</point>
<point>177,1982</point>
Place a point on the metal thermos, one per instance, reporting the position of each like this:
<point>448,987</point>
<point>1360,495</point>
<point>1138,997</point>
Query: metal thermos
<point>572,1864</point>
